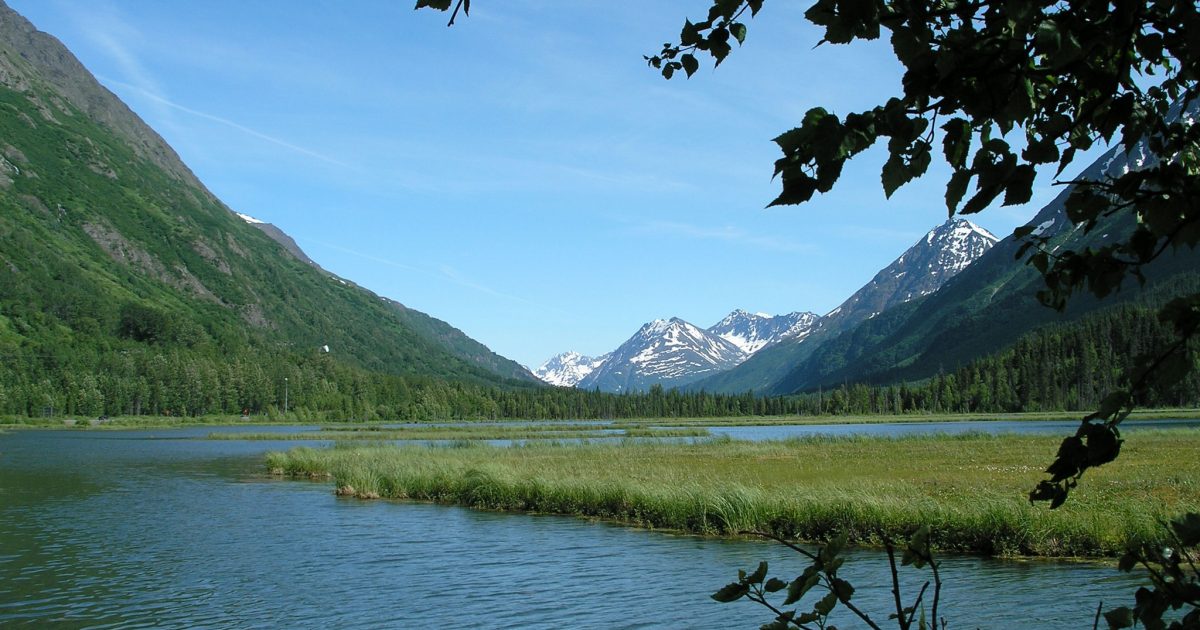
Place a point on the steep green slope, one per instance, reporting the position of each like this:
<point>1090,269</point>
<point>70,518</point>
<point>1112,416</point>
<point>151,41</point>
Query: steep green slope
<point>109,244</point>
<point>984,309</point>
<point>449,337</point>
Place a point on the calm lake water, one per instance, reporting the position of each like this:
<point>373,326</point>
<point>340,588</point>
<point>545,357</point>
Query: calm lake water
<point>149,528</point>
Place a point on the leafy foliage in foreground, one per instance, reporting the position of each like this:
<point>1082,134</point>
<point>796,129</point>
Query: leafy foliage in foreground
<point>822,574</point>
<point>1065,75</point>
<point>1174,578</point>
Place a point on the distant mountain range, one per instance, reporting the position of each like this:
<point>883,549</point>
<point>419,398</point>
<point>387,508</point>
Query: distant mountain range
<point>981,310</point>
<point>920,271</point>
<point>675,353</point>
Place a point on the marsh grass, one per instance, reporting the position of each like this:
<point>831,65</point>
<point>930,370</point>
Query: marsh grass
<point>971,489</point>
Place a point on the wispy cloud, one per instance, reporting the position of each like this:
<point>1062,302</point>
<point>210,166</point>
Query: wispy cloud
<point>225,121</point>
<point>444,272</point>
<point>456,277</point>
<point>105,27</point>
<point>116,37</point>
<point>365,256</point>
<point>728,234</point>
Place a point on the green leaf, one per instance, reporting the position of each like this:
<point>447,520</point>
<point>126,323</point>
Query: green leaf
<point>1128,562</point>
<point>797,189</point>
<point>1020,186</point>
<point>690,65</point>
<point>956,144</point>
<point>731,592</point>
<point>956,188</point>
<point>739,32</point>
<point>1023,231</point>
<point>826,604</point>
<point>774,585</point>
<point>440,5</point>
<point>802,585</point>
<point>843,589</point>
<point>1187,529</point>
<point>690,35</point>
<point>759,574</point>
<point>1119,617</point>
<point>895,174</point>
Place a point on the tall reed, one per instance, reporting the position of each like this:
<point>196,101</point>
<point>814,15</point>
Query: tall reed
<point>971,489</point>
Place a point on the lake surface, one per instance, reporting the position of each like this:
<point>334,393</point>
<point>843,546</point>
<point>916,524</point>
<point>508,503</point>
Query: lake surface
<point>148,528</point>
<point>900,429</point>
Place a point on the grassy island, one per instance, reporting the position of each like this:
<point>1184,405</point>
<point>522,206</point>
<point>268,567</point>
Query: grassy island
<point>970,488</point>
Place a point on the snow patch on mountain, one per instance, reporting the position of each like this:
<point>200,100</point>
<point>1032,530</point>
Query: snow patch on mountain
<point>568,368</point>
<point>944,252</point>
<point>753,332</point>
<point>667,352</point>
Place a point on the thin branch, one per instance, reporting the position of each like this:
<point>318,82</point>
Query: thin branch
<point>917,602</point>
<point>937,589</point>
<point>891,553</point>
<point>457,6</point>
<point>803,552</point>
<point>854,609</point>
<point>762,599</point>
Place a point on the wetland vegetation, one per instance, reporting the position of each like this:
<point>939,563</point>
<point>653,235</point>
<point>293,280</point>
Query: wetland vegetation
<point>971,489</point>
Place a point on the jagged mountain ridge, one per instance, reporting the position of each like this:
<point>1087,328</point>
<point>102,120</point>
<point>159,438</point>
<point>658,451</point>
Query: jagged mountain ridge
<point>769,345</point>
<point>674,352</point>
<point>985,308</point>
<point>98,215</point>
<point>667,352</point>
<point>921,270</point>
<point>568,368</point>
<point>752,332</point>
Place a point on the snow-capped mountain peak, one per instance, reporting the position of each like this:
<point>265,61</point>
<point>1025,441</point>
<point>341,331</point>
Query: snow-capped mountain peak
<point>957,243</point>
<point>922,269</point>
<point>753,332</point>
<point>568,368</point>
<point>668,352</point>
<point>673,352</point>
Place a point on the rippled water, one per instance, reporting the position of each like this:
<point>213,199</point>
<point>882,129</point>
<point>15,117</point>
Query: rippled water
<point>1020,427</point>
<point>132,529</point>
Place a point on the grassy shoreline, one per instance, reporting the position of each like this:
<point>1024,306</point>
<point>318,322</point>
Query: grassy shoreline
<point>970,489</point>
<point>163,422</point>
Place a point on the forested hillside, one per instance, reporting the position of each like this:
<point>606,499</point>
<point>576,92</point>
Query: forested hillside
<point>1060,367</point>
<point>115,260</point>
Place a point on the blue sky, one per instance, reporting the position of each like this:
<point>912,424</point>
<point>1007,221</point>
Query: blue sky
<point>522,175</point>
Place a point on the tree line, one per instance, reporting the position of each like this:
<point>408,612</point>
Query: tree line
<point>1063,367</point>
<point>1057,368</point>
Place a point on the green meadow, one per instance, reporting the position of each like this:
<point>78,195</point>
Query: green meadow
<point>971,489</point>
